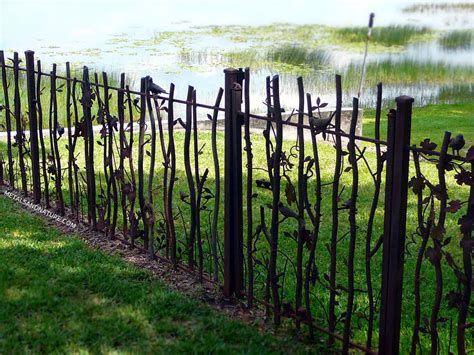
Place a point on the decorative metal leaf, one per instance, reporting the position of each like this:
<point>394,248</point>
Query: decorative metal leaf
<point>290,193</point>
<point>454,206</point>
<point>428,145</point>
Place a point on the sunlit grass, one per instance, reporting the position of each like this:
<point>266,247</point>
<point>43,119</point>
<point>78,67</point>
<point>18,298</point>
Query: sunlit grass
<point>432,121</point>
<point>57,295</point>
<point>288,245</point>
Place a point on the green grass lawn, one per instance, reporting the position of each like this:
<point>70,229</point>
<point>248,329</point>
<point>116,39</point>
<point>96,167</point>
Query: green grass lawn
<point>287,245</point>
<point>59,296</point>
<point>431,122</point>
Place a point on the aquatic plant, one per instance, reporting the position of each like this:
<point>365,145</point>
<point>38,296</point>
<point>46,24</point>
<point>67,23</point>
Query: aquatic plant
<point>298,55</point>
<point>387,36</point>
<point>461,6</point>
<point>459,39</point>
<point>408,71</point>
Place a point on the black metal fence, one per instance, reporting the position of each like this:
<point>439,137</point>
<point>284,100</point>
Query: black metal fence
<point>327,235</point>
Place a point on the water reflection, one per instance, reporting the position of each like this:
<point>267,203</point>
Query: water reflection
<point>114,36</point>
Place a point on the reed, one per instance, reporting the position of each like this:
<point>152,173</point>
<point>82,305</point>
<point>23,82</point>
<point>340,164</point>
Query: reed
<point>408,71</point>
<point>387,36</point>
<point>459,39</point>
<point>298,55</point>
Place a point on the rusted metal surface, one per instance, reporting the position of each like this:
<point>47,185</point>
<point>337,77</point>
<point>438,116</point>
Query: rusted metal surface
<point>335,213</point>
<point>233,230</point>
<point>33,125</point>
<point>189,176</point>
<point>217,188</point>
<point>285,210</point>
<point>396,191</point>
<point>353,227</point>
<point>370,250</point>
<point>8,123</point>
<point>20,138</point>
<point>249,193</point>
<point>88,134</point>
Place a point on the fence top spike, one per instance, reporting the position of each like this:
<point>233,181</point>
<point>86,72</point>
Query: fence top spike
<point>230,70</point>
<point>404,98</point>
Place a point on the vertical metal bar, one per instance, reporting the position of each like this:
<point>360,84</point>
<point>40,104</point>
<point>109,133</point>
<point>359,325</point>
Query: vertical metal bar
<point>104,208</point>
<point>150,217</point>
<point>396,190</point>
<point>268,154</point>
<point>315,217</point>
<point>20,135</point>
<point>248,151</point>
<point>169,193</point>
<point>78,205</point>
<point>368,246</point>
<point>55,138</point>
<point>132,194</point>
<point>466,244</point>
<point>335,212</point>
<point>443,197</point>
<point>33,123</point>
<point>70,150</point>
<point>41,138</point>
<point>217,192</point>
<point>425,233</point>
<point>353,226</point>
<point>301,199</point>
<point>275,183</point>
<point>51,159</point>
<point>122,147</point>
<point>89,147</point>
<point>112,183</point>
<point>237,245</point>
<point>11,176</point>
<point>233,233</point>
<point>189,177</point>
<point>141,156</point>
<point>198,185</point>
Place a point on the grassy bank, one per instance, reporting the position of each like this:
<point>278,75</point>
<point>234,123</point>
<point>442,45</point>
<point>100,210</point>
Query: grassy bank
<point>432,121</point>
<point>57,295</point>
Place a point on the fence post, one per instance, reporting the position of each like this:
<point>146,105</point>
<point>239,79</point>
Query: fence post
<point>233,222</point>
<point>396,191</point>
<point>33,125</point>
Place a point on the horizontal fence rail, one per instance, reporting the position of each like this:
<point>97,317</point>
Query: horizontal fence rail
<point>362,242</point>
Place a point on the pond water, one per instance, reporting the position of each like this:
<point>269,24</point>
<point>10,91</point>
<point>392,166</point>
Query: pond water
<point>114,35</point>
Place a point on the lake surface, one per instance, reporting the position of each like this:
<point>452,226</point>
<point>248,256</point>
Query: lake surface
<point>106,35</point>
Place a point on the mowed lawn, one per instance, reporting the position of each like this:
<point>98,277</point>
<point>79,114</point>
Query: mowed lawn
<point>431,121</point>
<point>59,296</point>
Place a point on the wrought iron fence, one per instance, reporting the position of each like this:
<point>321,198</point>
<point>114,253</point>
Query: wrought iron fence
<point>313,223</point>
